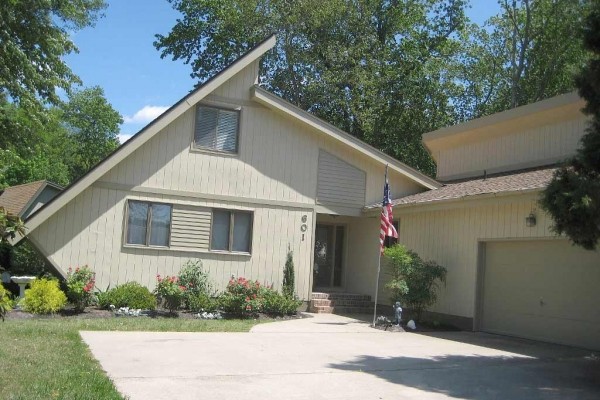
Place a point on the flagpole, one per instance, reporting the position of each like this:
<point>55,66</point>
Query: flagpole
<point>378,259</point>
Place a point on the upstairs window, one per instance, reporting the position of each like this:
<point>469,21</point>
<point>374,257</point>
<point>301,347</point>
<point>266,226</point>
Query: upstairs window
<point>148,224</point>
<point>216,129</point>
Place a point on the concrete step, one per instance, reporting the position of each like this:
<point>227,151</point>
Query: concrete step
<point>340,303</point>
<point>341,310</point>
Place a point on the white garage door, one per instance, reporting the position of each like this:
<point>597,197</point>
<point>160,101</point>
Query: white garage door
<point>542,289</point>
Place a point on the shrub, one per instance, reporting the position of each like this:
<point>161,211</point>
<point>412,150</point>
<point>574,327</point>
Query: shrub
<point>414,282</point>
<point>276,304</point>
<point>195,281</point>
<point>202,302</point>
<point>241,297</point>
<point>44,297</point>
<point>169,292</point>
<point>131,294</point>
<point>80,287</point>
<point>288,276</point>
<point>5,302</point>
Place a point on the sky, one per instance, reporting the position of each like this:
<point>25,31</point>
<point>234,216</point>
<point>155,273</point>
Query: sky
<point>118,55</point>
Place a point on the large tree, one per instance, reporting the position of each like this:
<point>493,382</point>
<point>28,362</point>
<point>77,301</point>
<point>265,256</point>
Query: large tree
<point>376,69</point>
<point>530,51</point>
<point>573,196</point>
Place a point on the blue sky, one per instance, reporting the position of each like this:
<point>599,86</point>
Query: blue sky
<point>118,55</point>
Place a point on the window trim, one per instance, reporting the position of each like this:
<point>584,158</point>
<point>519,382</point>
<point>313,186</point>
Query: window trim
<point>231,227</point>
<point>196,148</point>
<point>148,225</point>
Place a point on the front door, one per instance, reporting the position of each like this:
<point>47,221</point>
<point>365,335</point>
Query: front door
<point>329,256</point>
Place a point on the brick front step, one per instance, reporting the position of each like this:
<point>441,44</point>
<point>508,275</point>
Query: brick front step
<point>342,303</point>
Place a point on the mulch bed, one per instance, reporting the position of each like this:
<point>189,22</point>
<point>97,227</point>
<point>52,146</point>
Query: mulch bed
<point>93,312</point>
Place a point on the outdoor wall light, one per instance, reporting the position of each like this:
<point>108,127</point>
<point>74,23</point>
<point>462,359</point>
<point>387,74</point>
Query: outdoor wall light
<point>530,220</point>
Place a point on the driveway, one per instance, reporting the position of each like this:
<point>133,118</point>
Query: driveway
<point>334,357</point>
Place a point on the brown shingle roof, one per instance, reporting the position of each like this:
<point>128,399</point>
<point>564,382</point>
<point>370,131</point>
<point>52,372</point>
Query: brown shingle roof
<point>15,198</point>
<point>513,181</point>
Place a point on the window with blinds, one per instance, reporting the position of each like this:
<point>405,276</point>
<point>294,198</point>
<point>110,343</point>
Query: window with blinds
<point>216,129</point>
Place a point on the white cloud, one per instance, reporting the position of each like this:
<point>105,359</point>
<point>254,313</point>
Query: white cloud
<point>123,137</point>
<point>145,114</point>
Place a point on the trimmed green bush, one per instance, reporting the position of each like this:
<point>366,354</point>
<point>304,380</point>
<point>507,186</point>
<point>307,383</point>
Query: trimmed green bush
<point>288,276</point>
<point>276,304</point>
<point>131,294</point>
<point>202,302</point>
<point>44,297</point>
<point>5,302</point>
<point>414,282</point>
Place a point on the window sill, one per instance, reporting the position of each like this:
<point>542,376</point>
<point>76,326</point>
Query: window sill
<point>188,250</point>
<point>196,149</point>
<point>230,253</point>
<point>140,246</point>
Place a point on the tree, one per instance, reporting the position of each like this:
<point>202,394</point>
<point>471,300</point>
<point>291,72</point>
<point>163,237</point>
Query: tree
<point>573,196</point>
<point>34,38</point>
<point>288,276</point>
<point>376,69</point>
<point>522,55</point>
<point>10,226</point>
<point>92,126</point>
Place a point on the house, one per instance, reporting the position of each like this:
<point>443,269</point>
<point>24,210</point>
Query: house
<point>235,176</point>
<point>507,272</point>
<point>23,200</point>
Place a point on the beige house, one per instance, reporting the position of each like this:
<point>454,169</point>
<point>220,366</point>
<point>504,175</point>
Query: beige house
<point>507,272</point>
<point>235,176</point>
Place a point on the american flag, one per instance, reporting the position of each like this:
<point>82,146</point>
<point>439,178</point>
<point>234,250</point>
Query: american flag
<point>387,226</point>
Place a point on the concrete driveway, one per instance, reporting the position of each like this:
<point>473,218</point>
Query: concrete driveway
<point>333,357</point>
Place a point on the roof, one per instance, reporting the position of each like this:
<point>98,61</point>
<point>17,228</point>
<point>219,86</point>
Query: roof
<point>277,103</point>
<point>16,199</point>
<point>187,102</point>
<point>505,183</point>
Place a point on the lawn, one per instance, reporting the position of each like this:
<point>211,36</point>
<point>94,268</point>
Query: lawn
<point>46,358</point>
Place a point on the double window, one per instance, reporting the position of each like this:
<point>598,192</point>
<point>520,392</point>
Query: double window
<point>231,231</point>
<point>148,224</point>
<point>216,129</point>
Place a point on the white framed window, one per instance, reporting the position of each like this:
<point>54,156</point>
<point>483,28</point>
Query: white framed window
<point>216,129</point>
<point>148,223</point>
<point>231,231</point>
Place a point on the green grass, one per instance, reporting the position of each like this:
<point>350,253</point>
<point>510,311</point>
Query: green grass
<point>46,358</point>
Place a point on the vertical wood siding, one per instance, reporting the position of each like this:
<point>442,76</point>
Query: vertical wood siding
<point>551,142</point>
<point>339,183</point>
<point>90,231</point>
<point>450,236</point>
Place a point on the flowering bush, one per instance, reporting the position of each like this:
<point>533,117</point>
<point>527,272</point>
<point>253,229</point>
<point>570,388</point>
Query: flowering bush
<point>196,282</point>
<point>80,286</point>
<point>169,292</point>
<point>242,297</point>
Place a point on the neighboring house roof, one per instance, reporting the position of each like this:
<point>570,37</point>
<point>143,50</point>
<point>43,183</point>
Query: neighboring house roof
<point>17,199</point>
<point>506,183</point>
<point>189,101</point>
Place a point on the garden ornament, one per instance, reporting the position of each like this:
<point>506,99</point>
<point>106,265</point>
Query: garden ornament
<point>398,312</point>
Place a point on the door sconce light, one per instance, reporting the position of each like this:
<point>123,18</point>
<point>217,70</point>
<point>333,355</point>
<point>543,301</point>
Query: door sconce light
<point>530,220</point>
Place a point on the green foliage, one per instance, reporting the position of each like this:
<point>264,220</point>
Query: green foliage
<point>288,276</point>
<point>10,225</point>
<point>131,294</point>
<point>31,56</point>
<point>44,297</point>
<point>169,292</point>
<point>23,259</point>
<point>242,297</point>
<point>5,302</point>
<point>414,282</point>
<point>202,302</point>
<point>80,287</point>
<point>196,283</point>
<point>573,196</point>
<point>275,304</point>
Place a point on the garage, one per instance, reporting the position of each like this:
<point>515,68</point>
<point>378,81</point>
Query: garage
<point>545,290</point>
